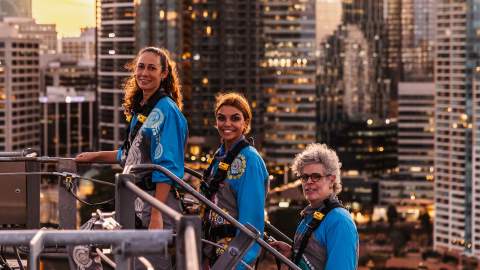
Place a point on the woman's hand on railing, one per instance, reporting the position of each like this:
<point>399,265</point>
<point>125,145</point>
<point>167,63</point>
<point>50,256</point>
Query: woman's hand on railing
<point>101,156</point>
<point>282,247</point>
<point>86,157</point>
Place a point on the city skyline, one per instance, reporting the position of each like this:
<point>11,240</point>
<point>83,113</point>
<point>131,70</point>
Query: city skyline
<point>68,15</point>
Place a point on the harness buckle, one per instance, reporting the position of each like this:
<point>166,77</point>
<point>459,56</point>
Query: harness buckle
<point>223,166</point>
<point>318,215</point>
<point>141,118</point>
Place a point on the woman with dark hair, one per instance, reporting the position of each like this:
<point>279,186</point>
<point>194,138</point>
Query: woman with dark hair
<point>156,133</point>
<point>237,178</point>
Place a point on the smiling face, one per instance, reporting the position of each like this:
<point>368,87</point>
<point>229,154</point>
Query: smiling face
<point>148,72</point>
<point>317,191</point>
<point>230,124</point>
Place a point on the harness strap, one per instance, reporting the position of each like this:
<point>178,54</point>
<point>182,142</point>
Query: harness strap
<point>318,217</point>
<point>142,115</point>
<point>223,231</point>
<point>215,233</point>
<point>212,187</point>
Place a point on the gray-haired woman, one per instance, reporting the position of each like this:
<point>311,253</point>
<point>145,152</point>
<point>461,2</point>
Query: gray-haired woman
<point>327,237</point>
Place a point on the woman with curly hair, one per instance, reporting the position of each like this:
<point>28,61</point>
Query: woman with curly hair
<point>326,237</point>
<point>156,133</point>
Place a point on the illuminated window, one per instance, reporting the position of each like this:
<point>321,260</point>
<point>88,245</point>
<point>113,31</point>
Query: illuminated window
<point>172,15</point>
<point>208,30</point>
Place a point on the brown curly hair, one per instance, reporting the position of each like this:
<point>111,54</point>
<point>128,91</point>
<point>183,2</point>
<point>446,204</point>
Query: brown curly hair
<point>238,101</point>
<point>171,83</point>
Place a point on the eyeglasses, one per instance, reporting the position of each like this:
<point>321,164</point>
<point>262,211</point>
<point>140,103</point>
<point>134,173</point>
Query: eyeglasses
<point>314,176</point>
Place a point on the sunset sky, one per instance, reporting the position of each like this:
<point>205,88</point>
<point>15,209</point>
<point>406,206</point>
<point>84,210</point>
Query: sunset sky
<point>68,15</point>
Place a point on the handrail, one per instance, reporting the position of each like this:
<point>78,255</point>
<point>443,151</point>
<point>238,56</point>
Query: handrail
<point>215,208</point>
<point>130,242</point>
<point>276,231</point>
<point>27,152</point>
<point>153,201</point>
<point>193,172</point>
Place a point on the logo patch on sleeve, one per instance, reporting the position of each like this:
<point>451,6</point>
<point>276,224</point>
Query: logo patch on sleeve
<point>238,167</point>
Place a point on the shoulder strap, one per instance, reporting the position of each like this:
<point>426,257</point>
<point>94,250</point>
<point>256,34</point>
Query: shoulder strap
<point>318,217</point>
<point>141,117</point>
<point>223,167</point>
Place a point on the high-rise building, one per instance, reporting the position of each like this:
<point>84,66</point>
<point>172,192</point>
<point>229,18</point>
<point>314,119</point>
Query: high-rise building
<point>29,28</point>
<point>15,8</point>
<point>115,48</point>
<point>225,56</point>
<point>418,40</point>
<point>353,89</point>
<point>416,128</point>
<point>368,147</point>
<point>289,82</point>
<point>159,23</point>
<point>457,177</point>
<point>67,121</point>
<point>64,71</point>
<point>411,40</point>
<point>82,47</point>
<point>68,106</point>
<point>19,91</point>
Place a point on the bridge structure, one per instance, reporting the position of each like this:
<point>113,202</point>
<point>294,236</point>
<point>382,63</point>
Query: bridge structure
<point>20,178</point>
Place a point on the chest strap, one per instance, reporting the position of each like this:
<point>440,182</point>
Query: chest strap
<point>212,187</point>
<point>318,217</point>
<point>142,115</point>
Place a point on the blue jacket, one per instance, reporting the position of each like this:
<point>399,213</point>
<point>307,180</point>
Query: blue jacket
<point>333,245</point>
<point>243,193</point>
<point>161,140</point>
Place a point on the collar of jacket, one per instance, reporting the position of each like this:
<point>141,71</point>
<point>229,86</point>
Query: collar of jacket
<point>310,209</point>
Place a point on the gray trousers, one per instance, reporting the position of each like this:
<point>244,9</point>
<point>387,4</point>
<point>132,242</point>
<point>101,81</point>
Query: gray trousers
<point>143,211</point>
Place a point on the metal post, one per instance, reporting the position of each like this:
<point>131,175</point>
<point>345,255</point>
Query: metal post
<point>33,194</point>
<point>188,253</point>
<point>122,261</point>
<point>36,246</point>
<point>124,201</point>
<point>67,204</point>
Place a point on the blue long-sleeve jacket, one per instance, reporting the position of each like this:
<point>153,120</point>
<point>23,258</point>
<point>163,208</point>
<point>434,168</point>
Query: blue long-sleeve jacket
<point>160,140</point>
<point>333,245</point>
<point>243,193</point>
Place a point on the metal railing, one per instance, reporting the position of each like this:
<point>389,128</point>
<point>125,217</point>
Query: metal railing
<point>188,227</point>
<point>127,243</point>
<point>248,234</point>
